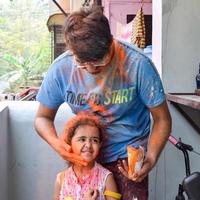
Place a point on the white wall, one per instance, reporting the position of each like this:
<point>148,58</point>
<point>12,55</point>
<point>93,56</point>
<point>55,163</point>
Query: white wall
<point>181,44</point>
<point>157,35</point>
<point>31,163</point>
<point>180,58</point>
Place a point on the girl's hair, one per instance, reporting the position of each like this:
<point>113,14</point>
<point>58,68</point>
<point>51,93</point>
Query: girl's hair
<point>87,34</point>
<point>83,118</point>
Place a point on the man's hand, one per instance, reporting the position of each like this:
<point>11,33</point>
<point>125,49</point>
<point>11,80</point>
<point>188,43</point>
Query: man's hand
<point>64,150</point>
<point>91,194</point>
<point>44,125</point>
<point>148,164</point>
<point>160,132</point>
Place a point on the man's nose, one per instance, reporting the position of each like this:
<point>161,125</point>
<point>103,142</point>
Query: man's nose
<point>91,66</point>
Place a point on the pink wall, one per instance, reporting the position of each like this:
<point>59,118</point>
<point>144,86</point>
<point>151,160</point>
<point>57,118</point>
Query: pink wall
<point>117,10</point>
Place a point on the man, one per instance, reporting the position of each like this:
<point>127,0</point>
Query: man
<point>117,82</point>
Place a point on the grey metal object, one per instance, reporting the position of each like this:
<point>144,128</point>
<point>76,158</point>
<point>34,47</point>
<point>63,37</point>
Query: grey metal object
<point>191,185</point>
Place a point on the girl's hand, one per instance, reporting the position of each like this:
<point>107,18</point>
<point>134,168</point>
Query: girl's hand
<point>91,194</point>
<point>148,164</point>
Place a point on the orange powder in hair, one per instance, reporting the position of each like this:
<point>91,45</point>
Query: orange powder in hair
<point>135,159</point>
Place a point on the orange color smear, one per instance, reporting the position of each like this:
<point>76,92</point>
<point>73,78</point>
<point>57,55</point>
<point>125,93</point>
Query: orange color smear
<point>120,59</point>
<point>134,155</point>
<point>154,142</point>
<point>101,109</point>
<point>99,82</point>
<point>96,108</point>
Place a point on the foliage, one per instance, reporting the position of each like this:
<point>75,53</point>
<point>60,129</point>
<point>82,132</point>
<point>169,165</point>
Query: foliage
<point>25,41</point>
<point>26,66</point>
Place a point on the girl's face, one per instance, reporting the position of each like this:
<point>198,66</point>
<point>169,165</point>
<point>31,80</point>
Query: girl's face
<point>86,142</point>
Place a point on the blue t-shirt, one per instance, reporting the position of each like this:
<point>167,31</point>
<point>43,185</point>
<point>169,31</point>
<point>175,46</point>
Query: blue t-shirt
<point>121,97</point>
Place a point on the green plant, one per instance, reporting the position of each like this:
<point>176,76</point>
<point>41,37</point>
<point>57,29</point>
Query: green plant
<point>27,66</point>
<point>24,44</point>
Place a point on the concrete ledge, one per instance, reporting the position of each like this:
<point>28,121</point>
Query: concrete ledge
<point>3,151</point>
<point>3,106</point>
<point>32,164</point>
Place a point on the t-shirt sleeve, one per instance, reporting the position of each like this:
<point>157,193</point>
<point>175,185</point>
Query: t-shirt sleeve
<point>50,93</point>
<point>150,87</point>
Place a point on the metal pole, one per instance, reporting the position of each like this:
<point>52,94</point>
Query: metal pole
<point>187,162</point>
<point>60,7</point>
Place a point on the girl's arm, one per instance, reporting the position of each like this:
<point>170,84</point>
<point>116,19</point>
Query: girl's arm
<point>57,188</point>
<point>111,188</point>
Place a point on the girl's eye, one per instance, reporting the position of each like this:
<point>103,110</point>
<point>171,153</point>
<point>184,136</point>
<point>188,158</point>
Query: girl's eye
<point>91,140</point>
<point>95,141</point>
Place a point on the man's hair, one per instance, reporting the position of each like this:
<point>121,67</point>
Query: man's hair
<point>87,33</point>
<point>81,119</point>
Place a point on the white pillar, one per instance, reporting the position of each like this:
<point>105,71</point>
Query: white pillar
<point>157,34</point>
<point>71,6</point>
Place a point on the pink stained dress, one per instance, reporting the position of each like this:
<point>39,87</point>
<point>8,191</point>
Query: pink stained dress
<point>72,188</point>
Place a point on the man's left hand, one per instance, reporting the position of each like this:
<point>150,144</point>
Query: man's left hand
<point>148,164</point>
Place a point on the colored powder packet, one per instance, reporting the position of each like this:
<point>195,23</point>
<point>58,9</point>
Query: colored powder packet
<point>135,159</point>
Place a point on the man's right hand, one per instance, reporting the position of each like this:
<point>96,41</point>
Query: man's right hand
<point>44,125</point>
<point>64,150</point>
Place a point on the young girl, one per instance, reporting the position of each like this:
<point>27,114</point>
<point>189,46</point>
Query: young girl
<point>84,133</point>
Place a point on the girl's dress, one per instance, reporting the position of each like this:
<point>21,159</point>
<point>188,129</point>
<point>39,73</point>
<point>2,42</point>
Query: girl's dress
<point>74,189</point>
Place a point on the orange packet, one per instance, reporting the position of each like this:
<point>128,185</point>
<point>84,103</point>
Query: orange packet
<point>135,159</point>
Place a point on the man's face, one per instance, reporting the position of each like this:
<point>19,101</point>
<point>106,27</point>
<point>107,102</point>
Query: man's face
<point>94,67</point>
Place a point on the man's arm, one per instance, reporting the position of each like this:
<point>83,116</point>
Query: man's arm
<point>44,125</point>
<point>159,135</point>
